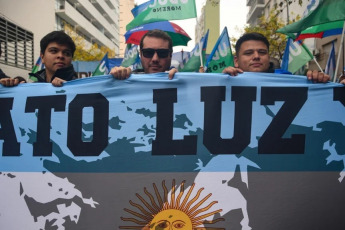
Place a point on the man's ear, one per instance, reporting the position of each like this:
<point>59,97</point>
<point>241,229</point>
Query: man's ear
<point>41,55</point>
<point>236,61</point>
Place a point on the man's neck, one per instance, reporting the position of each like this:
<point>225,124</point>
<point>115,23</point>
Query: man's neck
<point>49,76</point>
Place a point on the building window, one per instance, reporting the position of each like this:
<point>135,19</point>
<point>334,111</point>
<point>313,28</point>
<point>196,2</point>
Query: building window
<point>17,45</point>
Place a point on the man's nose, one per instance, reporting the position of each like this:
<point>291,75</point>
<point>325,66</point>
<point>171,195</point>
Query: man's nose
<point>61,54</point>
<point>155,57</point>
<point>256,54</point>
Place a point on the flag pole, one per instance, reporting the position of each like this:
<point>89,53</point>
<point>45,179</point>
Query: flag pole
<point>201,62</point>
<point>338,59</point>
<point>318,65</point>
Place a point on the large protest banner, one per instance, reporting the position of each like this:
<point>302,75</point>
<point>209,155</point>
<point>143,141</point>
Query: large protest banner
<point>201,151</point>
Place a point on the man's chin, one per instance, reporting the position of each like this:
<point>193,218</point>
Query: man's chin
<point>155,70</point>
<point>258,70</point>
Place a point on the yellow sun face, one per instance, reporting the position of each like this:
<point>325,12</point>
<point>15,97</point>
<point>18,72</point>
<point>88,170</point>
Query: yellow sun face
<point>171,219</point>
<point>171,213</point>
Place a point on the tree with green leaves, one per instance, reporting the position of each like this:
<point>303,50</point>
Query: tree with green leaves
<point>268,26</point>
<point>93,53</point>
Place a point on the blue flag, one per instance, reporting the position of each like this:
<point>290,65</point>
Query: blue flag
<point>140,8</point>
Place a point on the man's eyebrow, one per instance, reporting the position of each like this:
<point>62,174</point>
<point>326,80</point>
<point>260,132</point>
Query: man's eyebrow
<point>54,47</point>
<point>251,50</point>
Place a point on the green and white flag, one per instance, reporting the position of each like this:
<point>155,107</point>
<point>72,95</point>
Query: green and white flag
<point>131,58</point>
<point>221,55</point>
<point>296,55</point>
<point>103,67</point>
<point>160,10</point>
<point>327,12</point>
<point>192,63</point>
<point>37,67</point>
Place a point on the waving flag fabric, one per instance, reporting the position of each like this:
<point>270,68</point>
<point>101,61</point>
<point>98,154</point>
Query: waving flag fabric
<point>205,151</point>
<point>164,11</point>
<point>321,31</point>
<point>328,11</point>
<point>103,67</point>
<point>192,63</point>
<point>38,66</point>
<point>131,58</point>
<point>296,55</point>
<point>330,66</point>
<point>221,55</point>
<point>140,8</point>
<point>310,7</point>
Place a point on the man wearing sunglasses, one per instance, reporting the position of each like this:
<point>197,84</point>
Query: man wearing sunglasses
<point>155,54</point>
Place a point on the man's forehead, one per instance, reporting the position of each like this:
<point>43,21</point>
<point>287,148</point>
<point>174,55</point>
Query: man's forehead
<point>253,45</point>
<point>149,42</point>
<point>58,45</point>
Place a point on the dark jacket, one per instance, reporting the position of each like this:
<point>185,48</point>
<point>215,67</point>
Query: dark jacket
<point>3,75</point>
<point>66,73</point>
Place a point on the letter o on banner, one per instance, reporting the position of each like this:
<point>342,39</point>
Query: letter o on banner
<point>99,141</point>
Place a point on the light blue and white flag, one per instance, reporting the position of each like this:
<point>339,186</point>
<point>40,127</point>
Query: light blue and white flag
<point>205,151</point>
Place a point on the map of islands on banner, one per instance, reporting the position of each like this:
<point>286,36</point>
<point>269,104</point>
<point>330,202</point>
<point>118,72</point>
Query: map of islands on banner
<point>202,151</point>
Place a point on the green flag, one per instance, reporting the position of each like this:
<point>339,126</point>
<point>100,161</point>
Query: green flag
<point>131,58</point>
<point>221,55</point>
<point>327,11</point>
<point>192,63</point>
<point>103,67</point>
<point>166,10</point>
<point>37,67</point>
<point>296,55</point>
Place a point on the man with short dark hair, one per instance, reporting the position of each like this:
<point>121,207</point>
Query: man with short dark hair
<point>252,55</point>
<point>57,50</point>
<point>155,54</point>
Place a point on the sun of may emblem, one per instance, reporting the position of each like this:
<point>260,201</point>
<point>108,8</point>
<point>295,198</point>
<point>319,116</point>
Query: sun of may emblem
<point>179,212</point>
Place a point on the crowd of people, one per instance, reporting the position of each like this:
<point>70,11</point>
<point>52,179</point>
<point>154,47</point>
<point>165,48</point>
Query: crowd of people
<point>57,50</point>
<point>252,55</point>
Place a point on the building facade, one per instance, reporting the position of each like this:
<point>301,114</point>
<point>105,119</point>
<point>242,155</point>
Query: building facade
<point>286,12</point>
<point>209,20</point>
<point>125,17</point>
<point>95,21</point>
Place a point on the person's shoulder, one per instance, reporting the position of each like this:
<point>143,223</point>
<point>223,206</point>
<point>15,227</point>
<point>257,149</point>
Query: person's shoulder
<point>39,76</point>
<point>3,75</point>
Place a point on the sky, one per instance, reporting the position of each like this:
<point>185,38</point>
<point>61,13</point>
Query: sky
<point>233,15</point>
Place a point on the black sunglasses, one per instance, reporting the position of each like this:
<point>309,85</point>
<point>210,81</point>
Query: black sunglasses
<point>162,53</point>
